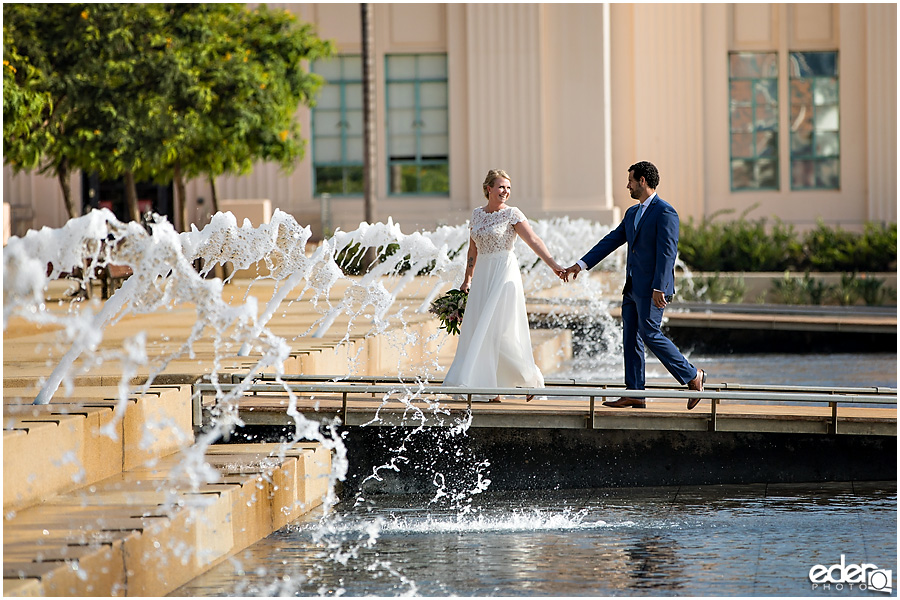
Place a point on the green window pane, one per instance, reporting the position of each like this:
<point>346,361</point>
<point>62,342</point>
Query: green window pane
<point>329,95</point>
<point>402,95</point>
<point>327,68</point>
<point>434,179</point>
<point>433,66</point>
<point>403,178</point>
<point>741,93</point>
<point>828,174</point>
<point>813,64</point>
<point>401,121</point>
<point>766,144</point>
<point>826,91</point>
<point>742,119</point>
<point>803,174</point>
<point>402,147</point>
<point>435,147</point>
<point>327,122</point>
<point>826,118</point>
<point>433,121</point>
<point>742,145</point>
<point>353,177</point>
<point>753,65</point>
<point>329,180</point>
<point>766,173</point>
<point>433,94</point>
<point>742,174</point>
<point>354,149</point>
<point>401,67</point>
<point>353,96</point>
<point>766,92</point>
<point>328,150</point>
<point>801,143</point>
<point>828,144</point>
<point>766,117</point>
<point>353,122</point>
<point>352,67</point>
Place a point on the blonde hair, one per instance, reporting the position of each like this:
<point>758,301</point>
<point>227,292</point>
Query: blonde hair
<point>491,176</point>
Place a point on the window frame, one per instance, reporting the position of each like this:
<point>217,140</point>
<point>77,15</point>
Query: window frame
<point>753,132</point>
<point>418,161</point>
<point>345,165</point>
<point>814,157</point>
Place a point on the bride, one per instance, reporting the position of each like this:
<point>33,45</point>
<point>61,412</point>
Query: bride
<point>494,347</point>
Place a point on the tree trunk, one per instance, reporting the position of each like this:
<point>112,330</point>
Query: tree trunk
<point>180,199</point>
<point>131,200</point>
<point>62,174</point>
<point>215,197</point>
<point>369,151</point>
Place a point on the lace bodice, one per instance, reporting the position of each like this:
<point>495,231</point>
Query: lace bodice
<point>493,232</point>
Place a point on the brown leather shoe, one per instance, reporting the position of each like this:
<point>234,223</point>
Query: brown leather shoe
<point>626,403</point>
<point>696,385</point>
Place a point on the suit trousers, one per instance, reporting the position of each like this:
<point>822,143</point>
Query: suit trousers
<point>641,322</point>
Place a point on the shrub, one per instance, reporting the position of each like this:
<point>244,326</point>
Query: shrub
<point>743,245</point>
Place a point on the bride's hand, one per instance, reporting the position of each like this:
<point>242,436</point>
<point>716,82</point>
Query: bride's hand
<point>464,287</point>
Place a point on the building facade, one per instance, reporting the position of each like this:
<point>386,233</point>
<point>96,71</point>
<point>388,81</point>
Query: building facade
<point>787,111</point>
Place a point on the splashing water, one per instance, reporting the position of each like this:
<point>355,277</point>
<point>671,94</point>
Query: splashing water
<point>164,276</point>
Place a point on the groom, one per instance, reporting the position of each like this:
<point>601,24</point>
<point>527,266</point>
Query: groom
<point>651,230</point>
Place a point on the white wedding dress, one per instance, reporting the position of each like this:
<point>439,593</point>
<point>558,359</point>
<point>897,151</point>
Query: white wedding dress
<point>494,347</point>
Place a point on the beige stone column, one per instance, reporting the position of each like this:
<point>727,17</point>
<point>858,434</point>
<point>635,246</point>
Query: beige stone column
<point>881,88</point>
<point>668,99</point>
<point>504,97</point>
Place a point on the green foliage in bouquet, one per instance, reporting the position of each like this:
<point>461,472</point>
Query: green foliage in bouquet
<point>450,308</point>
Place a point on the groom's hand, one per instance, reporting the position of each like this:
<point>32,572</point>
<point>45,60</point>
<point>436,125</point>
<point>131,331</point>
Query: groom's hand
<point>659,299</point>
<point>574,270</point>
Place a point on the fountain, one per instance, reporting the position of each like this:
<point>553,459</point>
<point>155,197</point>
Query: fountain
<point>165,279</point>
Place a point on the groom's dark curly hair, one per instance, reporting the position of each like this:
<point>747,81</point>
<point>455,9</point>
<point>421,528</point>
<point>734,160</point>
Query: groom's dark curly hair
<point>648,171</point>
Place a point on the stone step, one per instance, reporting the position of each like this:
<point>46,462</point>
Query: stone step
<point>53,448</point>
<point>117,536</point>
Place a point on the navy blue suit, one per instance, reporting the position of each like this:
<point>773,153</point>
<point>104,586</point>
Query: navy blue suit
<point>652,248</point>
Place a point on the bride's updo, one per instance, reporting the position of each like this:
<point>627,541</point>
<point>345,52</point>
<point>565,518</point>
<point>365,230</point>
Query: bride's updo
<point>491,176</point>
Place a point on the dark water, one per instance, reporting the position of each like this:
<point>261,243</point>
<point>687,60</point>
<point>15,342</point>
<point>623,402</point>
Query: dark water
<point>746,540</point>
<point>830,370</point>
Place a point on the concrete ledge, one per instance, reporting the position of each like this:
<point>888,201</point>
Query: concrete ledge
<point>53,448</point>
<point>115,537</point>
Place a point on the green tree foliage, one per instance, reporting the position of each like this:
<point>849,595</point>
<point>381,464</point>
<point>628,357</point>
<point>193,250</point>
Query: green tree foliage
<point>158,91</point>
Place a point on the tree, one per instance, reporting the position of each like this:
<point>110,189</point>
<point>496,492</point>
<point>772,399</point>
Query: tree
<point>248,62</point>
<point>159,91</point>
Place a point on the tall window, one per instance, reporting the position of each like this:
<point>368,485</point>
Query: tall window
<point>753,79</point>
<point>418,140</point>
<point>337,128</point>
<point>815,123</point>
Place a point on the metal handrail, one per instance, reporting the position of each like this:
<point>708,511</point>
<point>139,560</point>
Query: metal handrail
<point>795,395</point>
<point>617,385</point>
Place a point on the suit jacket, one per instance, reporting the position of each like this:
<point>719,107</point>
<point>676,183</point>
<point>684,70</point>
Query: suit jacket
<point>651,248</point>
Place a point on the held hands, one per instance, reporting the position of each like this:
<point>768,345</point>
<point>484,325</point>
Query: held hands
<point>574,270</point>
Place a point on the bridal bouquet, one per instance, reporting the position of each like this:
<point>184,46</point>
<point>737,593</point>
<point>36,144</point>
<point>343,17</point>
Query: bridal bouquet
<point>450,308</point>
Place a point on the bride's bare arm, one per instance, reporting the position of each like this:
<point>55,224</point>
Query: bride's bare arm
<point>471,257</point>
<point>537,244</point>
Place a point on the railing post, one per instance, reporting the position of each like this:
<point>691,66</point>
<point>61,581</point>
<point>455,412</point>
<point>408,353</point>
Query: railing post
<point>591,416</point>
<point>344,406</point>
<point>832,427</point>
<point>712,415</point>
